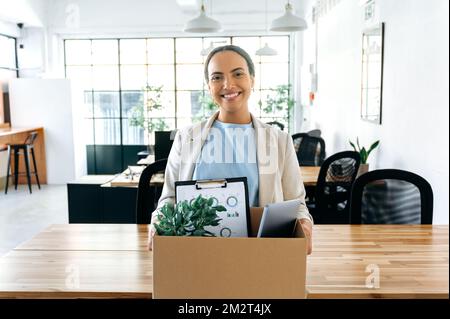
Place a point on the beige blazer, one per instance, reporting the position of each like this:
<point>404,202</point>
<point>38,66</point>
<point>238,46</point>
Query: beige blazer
<point>279,174</point>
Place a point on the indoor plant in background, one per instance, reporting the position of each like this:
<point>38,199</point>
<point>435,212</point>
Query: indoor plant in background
<point>141,114</point>
<point>278,102</point>
<point>189,218</point>
<point>364,154</point>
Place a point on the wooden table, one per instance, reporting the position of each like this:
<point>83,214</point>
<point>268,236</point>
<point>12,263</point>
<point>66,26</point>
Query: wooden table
<point>309,175</point>
<point>124,179</point>
<point>107,260</point>
<point>11,135</point>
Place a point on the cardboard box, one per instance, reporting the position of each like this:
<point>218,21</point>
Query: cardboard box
<point>219,268</point>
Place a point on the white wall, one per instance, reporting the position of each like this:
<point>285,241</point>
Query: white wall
<point>9,28</point>
<point>33,15</point>
<point>47,103</point>
<point>32,56</point>
<point>415,125</point>
<point>29,12</point>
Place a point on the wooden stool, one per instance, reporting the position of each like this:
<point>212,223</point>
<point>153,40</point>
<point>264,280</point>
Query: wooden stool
<point>25,149</point>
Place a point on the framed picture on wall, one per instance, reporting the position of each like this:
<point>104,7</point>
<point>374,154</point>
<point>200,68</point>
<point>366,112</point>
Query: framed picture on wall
<point>372,73</point>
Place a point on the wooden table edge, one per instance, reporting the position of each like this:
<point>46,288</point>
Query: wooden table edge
<point>73,295</point>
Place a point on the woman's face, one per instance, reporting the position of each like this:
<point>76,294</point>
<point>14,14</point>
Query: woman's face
<point>230,83</point>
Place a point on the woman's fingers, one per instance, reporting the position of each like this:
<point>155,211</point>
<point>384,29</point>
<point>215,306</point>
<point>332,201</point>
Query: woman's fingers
<point>307,229</point>
<point>151,233</point>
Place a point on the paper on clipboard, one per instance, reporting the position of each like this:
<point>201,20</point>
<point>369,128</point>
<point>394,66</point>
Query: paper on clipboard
<point>232,193</point>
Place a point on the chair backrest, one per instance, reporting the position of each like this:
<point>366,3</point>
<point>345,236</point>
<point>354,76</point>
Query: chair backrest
<point>316,133</point>
<point>147,196</point>
<point>163,144</point>
<point>31,138</point>
<point>310,149</point>
<point>336,177</point>
<point>277,124</point>
<point>391,196</point>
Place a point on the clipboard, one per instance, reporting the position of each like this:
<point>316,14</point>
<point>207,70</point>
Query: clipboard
<point>232,193</point>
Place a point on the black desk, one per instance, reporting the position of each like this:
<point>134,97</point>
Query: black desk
<point>91,203</point>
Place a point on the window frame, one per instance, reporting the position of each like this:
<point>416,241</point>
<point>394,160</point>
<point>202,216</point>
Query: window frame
<point>176,90</point>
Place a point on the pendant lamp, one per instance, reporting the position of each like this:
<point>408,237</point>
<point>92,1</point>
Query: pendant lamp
<point>289,22</point>
<point>202,23</point>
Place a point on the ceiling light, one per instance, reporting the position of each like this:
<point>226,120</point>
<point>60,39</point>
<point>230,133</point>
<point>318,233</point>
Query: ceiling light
<point>202,23</point>
<point>266,50</point>
<point>289,21</point>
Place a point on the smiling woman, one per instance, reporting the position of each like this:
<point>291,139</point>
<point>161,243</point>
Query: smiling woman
<point>234,143</point>
<point>230,77</point>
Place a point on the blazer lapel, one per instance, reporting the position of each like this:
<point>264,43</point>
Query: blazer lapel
<point>267,161</point>
<point>193,146</point>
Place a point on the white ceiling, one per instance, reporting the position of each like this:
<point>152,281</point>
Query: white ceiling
<point>36,12</point>
<point>29,12</point>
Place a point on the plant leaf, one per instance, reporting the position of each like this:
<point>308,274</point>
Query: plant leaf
<point>372,147</point>
<point>363,154</point>
<point>220,208</point>
<point>353,145</point>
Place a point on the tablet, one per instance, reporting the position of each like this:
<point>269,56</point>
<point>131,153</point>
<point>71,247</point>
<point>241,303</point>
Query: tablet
<point>278,219</point>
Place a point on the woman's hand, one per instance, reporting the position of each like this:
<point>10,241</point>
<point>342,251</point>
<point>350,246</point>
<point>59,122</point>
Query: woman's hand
<point>151,233</point>
<point>307,229</point>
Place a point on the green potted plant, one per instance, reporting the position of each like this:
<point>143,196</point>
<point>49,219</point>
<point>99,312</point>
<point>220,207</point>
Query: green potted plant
<point>141,114</point>
<point>278,101</point>
<point>364,154</point>
<point>189,218</point>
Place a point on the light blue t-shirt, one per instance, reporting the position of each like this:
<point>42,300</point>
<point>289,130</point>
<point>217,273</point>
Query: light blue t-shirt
<point>230,151</point>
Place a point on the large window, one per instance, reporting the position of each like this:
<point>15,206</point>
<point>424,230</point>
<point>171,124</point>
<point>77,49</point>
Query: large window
<point>115,76</point>
<point>8,60</point>
<point>113,73</point>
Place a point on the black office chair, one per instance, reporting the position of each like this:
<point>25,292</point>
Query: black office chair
<point>276,124</point>
<point>163,143</point>
<point>310,149</point>
<point>391,196</point>
<point>331,204</point>
<point>148,195</point>
<point>24,149</point>
<point>314,133</point>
